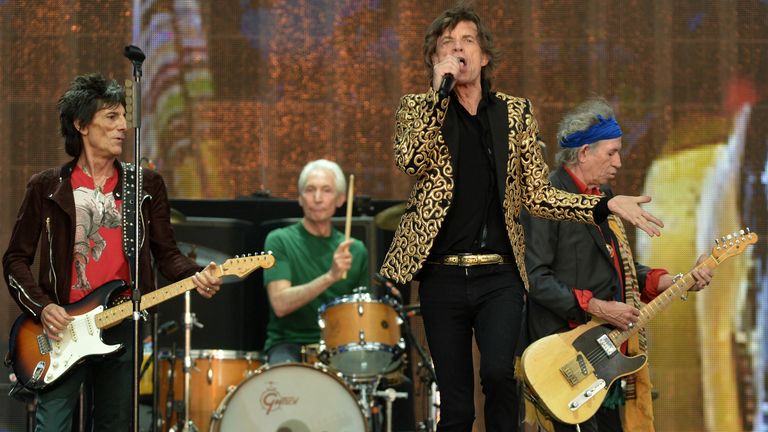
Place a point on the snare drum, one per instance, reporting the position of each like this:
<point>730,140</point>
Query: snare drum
<point>213,373</point>
<point>360,335</point>
<point>290,397</point>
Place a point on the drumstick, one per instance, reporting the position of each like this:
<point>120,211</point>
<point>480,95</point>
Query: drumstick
<point>348,221</point>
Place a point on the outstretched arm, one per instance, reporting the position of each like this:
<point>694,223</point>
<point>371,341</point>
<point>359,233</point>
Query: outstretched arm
<point>628,208</point>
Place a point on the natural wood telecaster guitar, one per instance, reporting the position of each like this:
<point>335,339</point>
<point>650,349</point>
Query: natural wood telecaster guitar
<point>568,374</point>
<point>39,361</point>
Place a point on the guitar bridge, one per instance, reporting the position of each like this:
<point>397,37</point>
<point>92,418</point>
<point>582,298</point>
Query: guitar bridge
<point>576,369</point>
<point>43,344</point>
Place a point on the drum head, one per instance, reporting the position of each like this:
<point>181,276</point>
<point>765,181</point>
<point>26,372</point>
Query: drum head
<point>291,397</point>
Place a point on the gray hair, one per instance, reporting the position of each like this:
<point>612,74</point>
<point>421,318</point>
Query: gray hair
<point>581,118</point>
<point>333,167</point>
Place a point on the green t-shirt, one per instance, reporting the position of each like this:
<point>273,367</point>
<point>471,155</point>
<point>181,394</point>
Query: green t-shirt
<point>301,257</point>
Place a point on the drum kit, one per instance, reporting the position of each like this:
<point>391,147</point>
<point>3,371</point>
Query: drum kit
<point>338,386</point>
<point>341,384</point>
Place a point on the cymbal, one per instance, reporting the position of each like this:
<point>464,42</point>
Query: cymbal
<point>201,254</point>
<point>388,218</point>
<point>177,217</point>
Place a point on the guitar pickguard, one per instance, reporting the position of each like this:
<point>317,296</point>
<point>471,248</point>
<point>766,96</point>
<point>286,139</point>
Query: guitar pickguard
<point>80,339</point>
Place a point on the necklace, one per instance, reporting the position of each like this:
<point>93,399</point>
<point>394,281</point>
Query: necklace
<point>98,185</point>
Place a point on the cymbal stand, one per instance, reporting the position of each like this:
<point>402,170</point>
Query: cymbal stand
<point>189,321</point>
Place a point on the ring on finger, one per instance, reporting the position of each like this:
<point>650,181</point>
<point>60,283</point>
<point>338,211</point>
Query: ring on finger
<point>631,325</point>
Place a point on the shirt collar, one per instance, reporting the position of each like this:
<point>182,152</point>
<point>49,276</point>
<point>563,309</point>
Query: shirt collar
<point>580,185</point>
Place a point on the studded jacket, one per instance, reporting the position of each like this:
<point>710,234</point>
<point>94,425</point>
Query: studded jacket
<point>425,145</point>
<point>47,219</point>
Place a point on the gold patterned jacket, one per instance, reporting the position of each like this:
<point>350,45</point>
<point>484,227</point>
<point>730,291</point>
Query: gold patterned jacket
<point>424,143</point>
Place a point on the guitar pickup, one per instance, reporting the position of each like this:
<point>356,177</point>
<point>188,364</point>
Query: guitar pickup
<point>576,369</point>
<point>605,343</point>
<point>43,344</point>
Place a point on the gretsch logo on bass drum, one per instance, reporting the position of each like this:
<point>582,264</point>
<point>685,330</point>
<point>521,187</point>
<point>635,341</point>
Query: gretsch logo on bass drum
<point>271,399</point>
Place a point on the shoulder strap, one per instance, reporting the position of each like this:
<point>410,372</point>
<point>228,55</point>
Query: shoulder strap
<point>129,214</point>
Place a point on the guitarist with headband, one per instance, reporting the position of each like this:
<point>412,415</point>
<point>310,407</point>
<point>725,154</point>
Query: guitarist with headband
<point>579,271</point>
<point>75,214</point>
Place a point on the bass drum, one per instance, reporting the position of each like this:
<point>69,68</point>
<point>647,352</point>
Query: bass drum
<point>213,373</point>
<point>291,397</point>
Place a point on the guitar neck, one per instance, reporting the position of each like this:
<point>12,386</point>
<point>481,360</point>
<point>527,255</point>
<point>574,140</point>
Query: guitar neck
<point>662,301</point>
<point>115,315</point>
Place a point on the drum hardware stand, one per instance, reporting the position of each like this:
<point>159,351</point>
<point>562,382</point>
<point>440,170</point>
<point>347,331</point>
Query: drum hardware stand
<point>427,376</point>
<point>389,395</point>
<point>190,320</point>
<point>169,405</point>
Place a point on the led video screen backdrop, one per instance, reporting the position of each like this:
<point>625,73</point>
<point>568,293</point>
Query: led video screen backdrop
<point>239,94</point>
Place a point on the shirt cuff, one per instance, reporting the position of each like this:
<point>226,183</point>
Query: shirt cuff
<point>583,297</point>
<point>652,284</point>
<point>600,211</point>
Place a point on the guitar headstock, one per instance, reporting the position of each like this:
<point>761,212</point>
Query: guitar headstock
<point>733,244</point>
<point>242,266</point>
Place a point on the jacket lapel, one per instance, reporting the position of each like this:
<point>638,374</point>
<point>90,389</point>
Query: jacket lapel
<point>566,182</point>
<point>499,120</point>
<point>450,131</point>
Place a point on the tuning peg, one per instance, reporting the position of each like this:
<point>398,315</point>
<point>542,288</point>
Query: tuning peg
<point>269,252</point>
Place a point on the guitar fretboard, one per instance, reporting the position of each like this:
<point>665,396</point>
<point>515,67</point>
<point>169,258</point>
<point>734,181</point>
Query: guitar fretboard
<point>676,291</point>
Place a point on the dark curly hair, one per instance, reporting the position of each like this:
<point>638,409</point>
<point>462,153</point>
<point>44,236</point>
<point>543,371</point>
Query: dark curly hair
<point>85,96</point>
<point>448,20</point>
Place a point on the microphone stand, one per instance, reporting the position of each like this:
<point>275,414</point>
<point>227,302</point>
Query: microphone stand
<point>136,56</point>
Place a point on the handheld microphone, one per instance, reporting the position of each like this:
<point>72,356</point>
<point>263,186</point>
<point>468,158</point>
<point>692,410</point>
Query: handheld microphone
<point>445,85</point>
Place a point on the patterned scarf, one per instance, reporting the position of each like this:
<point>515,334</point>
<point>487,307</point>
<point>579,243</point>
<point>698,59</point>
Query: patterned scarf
<point>638,410</point>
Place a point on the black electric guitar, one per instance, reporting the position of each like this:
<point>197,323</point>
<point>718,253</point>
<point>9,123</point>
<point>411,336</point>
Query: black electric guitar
<point>569,373</point>
<point>39,361</point>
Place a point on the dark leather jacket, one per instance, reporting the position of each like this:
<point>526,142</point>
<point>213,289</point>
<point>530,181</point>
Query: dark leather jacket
<point>47,218</point>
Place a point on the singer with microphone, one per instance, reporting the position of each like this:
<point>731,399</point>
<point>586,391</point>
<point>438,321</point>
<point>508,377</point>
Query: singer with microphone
<point>75,215</point>
<point>474,154</point>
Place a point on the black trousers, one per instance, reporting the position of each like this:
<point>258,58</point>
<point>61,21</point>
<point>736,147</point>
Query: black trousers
<point>487,302</point>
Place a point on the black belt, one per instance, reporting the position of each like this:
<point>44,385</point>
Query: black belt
<point>472,260</point>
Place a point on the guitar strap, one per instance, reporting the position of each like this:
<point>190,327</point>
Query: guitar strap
<point>638,409</point>
<point>129,212</point>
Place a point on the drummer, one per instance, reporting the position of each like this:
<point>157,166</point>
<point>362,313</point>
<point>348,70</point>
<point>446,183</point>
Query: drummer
<point>314,266</point>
